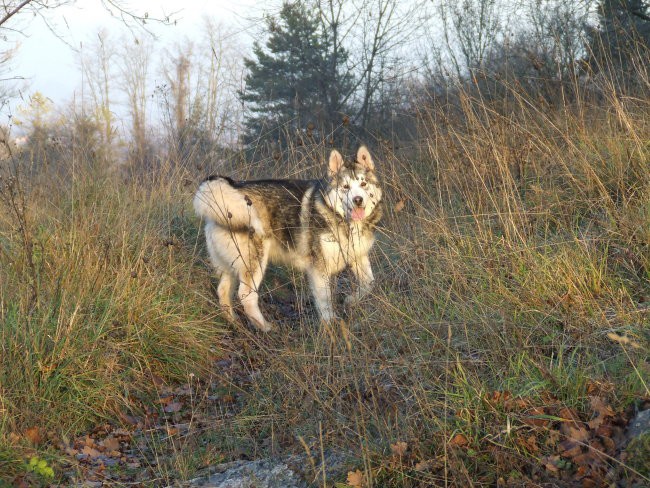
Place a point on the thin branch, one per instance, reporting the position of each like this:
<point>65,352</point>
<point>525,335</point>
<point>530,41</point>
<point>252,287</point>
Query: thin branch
<point>13,12</point>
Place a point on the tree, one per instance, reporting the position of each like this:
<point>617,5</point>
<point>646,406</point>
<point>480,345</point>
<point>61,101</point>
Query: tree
<point>621,37</point>
<point>297,82</point>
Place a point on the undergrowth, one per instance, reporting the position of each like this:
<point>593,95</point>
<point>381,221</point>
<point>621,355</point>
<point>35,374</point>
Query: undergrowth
<point>513,263</point>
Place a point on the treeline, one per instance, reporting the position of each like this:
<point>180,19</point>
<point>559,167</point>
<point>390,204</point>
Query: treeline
<point>329,71</point>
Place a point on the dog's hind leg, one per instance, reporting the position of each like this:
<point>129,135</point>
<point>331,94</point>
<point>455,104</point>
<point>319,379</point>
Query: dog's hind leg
<point>251,273</point>
<point>225,292</point>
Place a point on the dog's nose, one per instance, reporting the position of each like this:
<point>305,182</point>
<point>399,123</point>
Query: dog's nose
<point>358,201</point>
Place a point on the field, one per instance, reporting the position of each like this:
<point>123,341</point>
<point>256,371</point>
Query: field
<point>506,342</point>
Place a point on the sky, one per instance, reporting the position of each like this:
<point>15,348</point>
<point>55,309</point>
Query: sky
<point>46,57</point>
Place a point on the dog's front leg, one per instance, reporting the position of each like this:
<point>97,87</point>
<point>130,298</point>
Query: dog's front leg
<point>363,272</point>
<point>319,281</point>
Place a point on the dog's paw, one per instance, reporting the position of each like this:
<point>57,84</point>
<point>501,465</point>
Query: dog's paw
<point>229,313</point>
<point>263,326</point>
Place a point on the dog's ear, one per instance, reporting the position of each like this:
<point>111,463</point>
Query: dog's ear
<point>364,159</point>
<point>336,162</point>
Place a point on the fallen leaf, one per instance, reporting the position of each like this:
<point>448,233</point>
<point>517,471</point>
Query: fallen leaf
<point>534,417</point>
<point>575,432</point>
<point>569,414</point>
<point>355,478</point>
<point>399,206</point>
<point>550,463</point>
<point>602,411</point>
<point>227,399</point>
<point>529,443</point>
<point>166,400</point>
<point>459,440</point>
<point>91,452</point>
<point>111,444</point>
<point>33,435</point>
<point>399,448</point>
<point>173,407</point>
<point>569,448</point>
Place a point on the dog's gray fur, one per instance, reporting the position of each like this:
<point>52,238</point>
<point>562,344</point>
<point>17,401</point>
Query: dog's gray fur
<point>318,226</point>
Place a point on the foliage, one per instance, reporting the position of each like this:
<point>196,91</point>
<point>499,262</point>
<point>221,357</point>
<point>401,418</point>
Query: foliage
<point>297,84</point>
<point>621,37</point>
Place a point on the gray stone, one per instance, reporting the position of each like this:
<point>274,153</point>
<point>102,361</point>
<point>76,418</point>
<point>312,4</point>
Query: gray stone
<point>264,473</point>
<point>639,425</point>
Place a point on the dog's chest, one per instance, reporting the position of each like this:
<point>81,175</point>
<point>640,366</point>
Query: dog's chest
<point>344,246</point>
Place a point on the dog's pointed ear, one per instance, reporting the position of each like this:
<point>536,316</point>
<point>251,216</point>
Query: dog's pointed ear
<point>336,162</point>
<point>364,159</point>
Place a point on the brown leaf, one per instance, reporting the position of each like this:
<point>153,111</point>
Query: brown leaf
<point>569,449</point>
<point>173,407</point>
<point>399,206</point>
<point>610,445</point>
<point>553,438</point>
<point>602,412</point>
<point>399,448</point>
<point>529,443</point>
<point>129,419</point>
<point>531,419</point>
<point>166,400</point>
<point>111,444</point>
<point>550,463</point>
<point>569,414</point>
<point>91,452</point>
<point>227,398</point>
<point>459,440</point>
<point>355,478</point>
<point>575,432</point>
<point>33,435</point>
<point>589,483</point>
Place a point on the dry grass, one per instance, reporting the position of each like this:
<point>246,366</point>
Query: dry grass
<point>514,242</point>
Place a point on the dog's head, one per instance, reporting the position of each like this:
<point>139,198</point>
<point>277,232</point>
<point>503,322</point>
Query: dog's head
<point>353,189</point>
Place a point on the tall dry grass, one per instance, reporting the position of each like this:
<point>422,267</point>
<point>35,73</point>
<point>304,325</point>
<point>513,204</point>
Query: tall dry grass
<point>516,237</point>
<point>118,303</point>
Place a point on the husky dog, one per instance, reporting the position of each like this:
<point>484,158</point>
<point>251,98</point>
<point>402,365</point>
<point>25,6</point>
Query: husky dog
<point>318,226</point>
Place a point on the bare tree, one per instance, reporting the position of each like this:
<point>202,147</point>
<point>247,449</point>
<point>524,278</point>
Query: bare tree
<point>222,76</point>
<point>97,68</point>
<point>373,32</point>
<point>134,65</point>
<point>470,29</point>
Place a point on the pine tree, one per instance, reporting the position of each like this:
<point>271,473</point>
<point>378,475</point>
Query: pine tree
<point>622,34</point>
<point>296,82</point>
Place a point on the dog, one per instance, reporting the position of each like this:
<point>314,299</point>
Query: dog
<point>318,226</point>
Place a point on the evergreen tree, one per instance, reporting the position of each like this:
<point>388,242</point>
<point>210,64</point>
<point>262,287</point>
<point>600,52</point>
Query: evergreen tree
<point>622,35</point>
<point>296,82</point>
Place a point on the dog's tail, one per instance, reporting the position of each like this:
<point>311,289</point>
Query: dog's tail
<point>217,200</point>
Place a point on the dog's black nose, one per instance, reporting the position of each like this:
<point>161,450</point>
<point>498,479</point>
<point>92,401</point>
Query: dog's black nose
<point>358,201</point>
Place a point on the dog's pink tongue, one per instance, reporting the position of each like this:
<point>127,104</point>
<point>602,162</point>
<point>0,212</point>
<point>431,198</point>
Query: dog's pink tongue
<point>358,213</point>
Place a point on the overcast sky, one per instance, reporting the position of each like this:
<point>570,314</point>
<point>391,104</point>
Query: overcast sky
<point>47,61</point>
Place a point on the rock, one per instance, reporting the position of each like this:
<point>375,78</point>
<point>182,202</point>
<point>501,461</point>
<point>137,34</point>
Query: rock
<point>639,425</point>
<point>288,472</point>
<point>264,473</point>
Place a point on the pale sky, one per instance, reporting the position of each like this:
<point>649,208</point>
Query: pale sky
<point>45,56</point>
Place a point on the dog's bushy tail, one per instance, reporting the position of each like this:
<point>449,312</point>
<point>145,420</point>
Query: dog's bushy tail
<point>217,200</point>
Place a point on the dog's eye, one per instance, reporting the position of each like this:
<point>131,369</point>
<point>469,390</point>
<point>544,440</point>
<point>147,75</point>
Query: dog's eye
<point>346,187</point>
<point>363,183</point>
